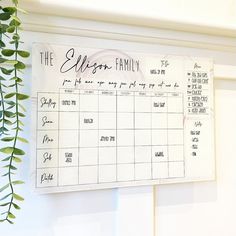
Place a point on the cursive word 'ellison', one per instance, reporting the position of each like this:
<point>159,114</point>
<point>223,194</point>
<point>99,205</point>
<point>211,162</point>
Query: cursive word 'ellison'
<point>80,63</point>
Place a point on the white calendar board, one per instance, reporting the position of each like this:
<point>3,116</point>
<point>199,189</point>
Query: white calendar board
<point>105,118</point>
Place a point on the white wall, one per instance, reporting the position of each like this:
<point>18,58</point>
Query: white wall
<point>207,12</point>
<point>181,210</point>
<point>206,208</point>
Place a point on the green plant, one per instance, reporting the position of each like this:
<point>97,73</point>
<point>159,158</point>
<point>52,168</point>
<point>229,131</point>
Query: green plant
<point>11,109</point>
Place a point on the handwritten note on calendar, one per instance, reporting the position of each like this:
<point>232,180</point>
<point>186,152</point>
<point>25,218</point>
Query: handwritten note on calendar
<point>105,118</point>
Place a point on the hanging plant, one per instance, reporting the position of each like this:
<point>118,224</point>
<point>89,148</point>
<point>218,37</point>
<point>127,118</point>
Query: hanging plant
<point>11,109</point>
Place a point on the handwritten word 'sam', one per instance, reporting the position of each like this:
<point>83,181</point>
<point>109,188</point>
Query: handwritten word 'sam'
<point>79,63</point>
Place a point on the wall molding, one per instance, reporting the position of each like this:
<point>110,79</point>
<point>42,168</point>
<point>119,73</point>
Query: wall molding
<point>81,10</point>
<point>95,29</point>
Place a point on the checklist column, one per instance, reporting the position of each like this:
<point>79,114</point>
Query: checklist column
<point>68,137</point>
<point>107,136</point>
<point>89,137</point>
<point>142,142</point>
<point>125,136</point>
<point>175,135</point>
<point>160,167</point>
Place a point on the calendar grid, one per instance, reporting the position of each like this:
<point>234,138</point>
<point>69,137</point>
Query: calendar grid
<point>114,143</point>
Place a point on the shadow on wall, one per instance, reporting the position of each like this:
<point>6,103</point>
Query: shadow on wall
<point>202,192</point>
<point>186,193</point>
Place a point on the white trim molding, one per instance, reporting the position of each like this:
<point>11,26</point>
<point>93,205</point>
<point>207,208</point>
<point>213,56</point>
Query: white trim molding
<point>96,29</point>
<point>103,11</point>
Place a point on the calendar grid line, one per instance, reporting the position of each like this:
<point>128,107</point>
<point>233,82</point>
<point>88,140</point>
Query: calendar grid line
<point>134,130</point>
<point>79,140</point>
<point>168,165</point>
<point>110,164</point>
<point>116,141</point>
<point>58,140</point>
<point>98,142</point>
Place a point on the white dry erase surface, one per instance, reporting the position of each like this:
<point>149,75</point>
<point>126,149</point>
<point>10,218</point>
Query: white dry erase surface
<point>105,118</point>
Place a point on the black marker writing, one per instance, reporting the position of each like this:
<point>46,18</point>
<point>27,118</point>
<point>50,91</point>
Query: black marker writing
<point>80,63</point>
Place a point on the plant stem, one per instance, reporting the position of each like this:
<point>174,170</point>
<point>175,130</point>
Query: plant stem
<point>17,127</point>
<point>3,109</point>
<point>3,102</point>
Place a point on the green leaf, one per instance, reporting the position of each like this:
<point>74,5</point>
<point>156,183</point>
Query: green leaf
<point>16,19</point>
<point>23,53</point>
<point>22,96</point>
<point>23,140</point>
<point>13,23</point>
<point>3,28</point>
<point>18,151</point>
<point>18,197</point>
<point>10,107</point>
<point>11,216</point>
<point>5,212</point>
<point>12,85</point>
<point>17,128</point>
<point>5,16</point>
<point>10,102</point>
<point>17,159</point>
<point>11,10</point>
<point>19,80</point>
<point>5,204</point>
<point>16,38</point>
<point>4,187</point>
<point>3,85</point>
<point>9,114</point>
<point>1,78</point>
<point>17,182</point>
<point>2,44</point>
<point>13,78</point>
<point>2,60</point>
<point>7,139</point>
<point>3,129</point>
<point>7,158</point>
<point>20,65</point>
<point>21,114</point>
<point>22,107</point>
<point>13,167</point>
<point>11,29</point>
<point>7,150</point>
<point>9,95</point>
<point>5,71</point>
<point>10,166</point>
<point>8,52</point>
<point>11,62</point>
<point>6,196</point>
<point>20,123</point>
<point>5,175</point>
<point>16,206</point>
<point>7,122</point>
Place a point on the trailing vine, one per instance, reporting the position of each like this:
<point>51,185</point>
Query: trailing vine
<point>12,111</point>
